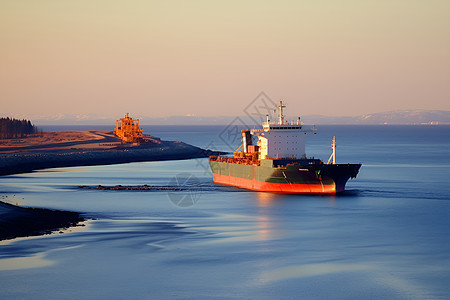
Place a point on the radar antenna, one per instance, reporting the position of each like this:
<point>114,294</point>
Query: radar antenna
<point>333,155</point>
<point>280,113</point>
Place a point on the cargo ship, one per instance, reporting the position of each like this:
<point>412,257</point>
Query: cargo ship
<point>273,159</point>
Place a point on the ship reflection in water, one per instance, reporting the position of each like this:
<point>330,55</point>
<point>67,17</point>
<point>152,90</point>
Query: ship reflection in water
<point>265,222</point>
<point>265,200</point>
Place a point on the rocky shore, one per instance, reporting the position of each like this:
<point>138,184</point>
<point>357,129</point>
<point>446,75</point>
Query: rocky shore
<point>16,221</point>
<point>119,187</point>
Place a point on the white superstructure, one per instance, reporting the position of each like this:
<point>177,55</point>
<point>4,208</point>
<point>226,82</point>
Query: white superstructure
<point>282,139</point>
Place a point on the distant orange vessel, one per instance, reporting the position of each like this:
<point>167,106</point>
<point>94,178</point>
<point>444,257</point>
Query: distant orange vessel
<point>127,129</point>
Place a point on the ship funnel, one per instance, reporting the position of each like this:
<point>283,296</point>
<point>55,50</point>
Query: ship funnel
<point>246,140</point>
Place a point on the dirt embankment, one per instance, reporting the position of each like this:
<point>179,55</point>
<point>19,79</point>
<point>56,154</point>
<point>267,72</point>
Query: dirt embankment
<point>64,140</point>
<point>85,148</point>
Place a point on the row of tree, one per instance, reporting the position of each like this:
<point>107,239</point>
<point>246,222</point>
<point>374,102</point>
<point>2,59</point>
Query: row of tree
<point>13,128</point>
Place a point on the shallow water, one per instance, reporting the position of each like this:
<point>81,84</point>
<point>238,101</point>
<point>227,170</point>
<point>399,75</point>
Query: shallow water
<point>386,237</point>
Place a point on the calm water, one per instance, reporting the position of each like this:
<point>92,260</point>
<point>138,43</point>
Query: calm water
<point>387,237</point>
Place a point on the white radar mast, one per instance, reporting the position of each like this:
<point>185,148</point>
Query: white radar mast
<point>333,155</point>
<point>280,113</point>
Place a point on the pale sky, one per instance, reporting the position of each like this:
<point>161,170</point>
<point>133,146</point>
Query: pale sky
<point>207,58</point>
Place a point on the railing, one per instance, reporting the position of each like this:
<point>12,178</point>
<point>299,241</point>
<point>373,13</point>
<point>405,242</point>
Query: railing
<point>234,160</point>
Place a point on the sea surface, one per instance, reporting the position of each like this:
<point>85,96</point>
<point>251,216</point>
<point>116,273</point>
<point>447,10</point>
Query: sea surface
<point>387,237</point>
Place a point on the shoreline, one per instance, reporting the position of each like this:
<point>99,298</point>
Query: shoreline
<point>17,221</point>
<point>102,149</point>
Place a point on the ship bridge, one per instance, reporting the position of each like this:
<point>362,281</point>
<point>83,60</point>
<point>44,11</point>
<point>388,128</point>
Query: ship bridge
<point>282,139</point>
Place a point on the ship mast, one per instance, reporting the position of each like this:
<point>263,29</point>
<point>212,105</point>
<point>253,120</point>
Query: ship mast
<point>280,113</point>
<point>333,155</point>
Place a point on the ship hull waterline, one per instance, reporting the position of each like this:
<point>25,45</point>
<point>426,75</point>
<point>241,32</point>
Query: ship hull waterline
<point>282,188</point>
<point>319,179</point>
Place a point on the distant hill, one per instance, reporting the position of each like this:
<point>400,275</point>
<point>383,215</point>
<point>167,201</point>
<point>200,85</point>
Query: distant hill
<point>409,117</point>
<point>390,117</point>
